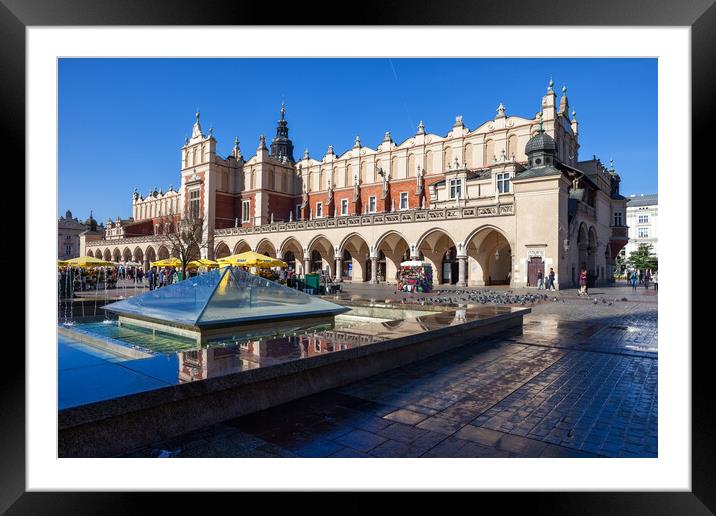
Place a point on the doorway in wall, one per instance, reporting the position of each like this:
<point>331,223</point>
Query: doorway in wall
<point>535,265</point>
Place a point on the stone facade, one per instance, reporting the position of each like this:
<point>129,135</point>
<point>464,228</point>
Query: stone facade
<point>68,235</point>
<point>485,206</point>
<point>642,217</point>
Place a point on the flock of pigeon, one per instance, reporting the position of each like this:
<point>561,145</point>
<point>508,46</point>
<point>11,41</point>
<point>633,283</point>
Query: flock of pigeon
<point>462,297</point>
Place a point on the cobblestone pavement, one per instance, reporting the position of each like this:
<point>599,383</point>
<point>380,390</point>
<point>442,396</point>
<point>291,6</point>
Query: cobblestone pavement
<point>581,381</point>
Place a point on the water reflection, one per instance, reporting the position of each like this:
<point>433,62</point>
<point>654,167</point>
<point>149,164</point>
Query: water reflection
<point>92,366</point>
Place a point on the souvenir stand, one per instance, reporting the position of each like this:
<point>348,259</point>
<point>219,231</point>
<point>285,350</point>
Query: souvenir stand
<point>415,276</point>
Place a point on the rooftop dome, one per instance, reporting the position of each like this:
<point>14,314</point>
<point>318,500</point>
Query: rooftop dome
<point>540,142</point>
<point>91,223</point>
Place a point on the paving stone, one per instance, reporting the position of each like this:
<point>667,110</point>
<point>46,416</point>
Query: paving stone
<point>440,425</point>
<point>480,435</point>
<point>524,447</point>
<point>361,440</point>
<point>318,448</point>
<point>581,381</point>
<point>350,453</point>
<point>405,416</point>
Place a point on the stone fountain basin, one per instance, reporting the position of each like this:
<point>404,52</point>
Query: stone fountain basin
<point>116,426</point>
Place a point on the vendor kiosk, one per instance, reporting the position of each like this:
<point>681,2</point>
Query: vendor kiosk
<point>415,276</point>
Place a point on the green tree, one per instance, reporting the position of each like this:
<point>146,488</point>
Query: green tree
<point>620,263</point>
<point>643,258</point>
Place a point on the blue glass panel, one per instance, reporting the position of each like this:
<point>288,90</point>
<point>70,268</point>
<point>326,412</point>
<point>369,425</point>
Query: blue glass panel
<point>181,302</point>
<point>242,296</point>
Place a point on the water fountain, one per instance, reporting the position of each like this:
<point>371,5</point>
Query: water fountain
<point>217,303</point>
<point>252,344</point>
<point>106,320</point>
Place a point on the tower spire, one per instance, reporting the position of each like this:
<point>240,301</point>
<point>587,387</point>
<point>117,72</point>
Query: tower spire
<point>281,145</point>
<point>196,130</point>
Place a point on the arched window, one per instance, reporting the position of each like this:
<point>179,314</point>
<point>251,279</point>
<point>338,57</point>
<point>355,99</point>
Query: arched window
<point>468,155</point>
<point>512,147</point>
<point>447,158</point>
<point>411,165</point>
<point>348,176</point>
<point>429,162</point>
<point>489,155</point>
<point>394,167</point>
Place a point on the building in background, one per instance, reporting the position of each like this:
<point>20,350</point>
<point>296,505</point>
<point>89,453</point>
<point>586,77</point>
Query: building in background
<point>68,235</point>
<point>495,204</point>
<point>641,215</point>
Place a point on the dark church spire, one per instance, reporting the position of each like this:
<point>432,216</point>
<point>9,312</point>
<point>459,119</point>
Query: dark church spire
<point>281,145</point>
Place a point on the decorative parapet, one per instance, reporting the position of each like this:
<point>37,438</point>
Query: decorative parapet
<point>127,241</point>
<point>374,219</point>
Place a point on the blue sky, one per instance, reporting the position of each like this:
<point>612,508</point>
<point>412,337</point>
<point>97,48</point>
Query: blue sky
<point>123,121</point>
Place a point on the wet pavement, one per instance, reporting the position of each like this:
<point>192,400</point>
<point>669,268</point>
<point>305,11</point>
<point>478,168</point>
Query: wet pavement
<point>581,381</point>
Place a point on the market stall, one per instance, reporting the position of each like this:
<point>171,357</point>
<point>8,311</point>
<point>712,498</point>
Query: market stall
<point>415,276</point>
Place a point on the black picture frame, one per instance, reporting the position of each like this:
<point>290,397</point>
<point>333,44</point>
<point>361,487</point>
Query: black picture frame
<point>700,15</point>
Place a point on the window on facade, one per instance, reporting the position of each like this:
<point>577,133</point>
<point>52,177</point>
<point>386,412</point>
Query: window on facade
<point>455,188</point>
<point>371,204</point>
<point>643,219</point>
<point>194,204</point>
<point>618,218</point>
<point>246,211</point>
<point>319,209</point>
<point>68,249</point>
<point>403,200</point>
<point>643,232</point>
<point>503,182</point>
<point>344,206</point>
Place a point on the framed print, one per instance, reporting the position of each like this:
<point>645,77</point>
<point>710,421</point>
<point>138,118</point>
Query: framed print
<point>284,248</point>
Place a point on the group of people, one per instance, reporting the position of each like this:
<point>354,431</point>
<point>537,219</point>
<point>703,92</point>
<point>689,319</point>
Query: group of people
<point>158,277</point>
<point>136,274</point>
<point>645,278</point>
<point>549,284</point>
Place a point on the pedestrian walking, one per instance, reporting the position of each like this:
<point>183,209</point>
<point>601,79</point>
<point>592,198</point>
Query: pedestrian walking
<point>540,280</point>
<point>647,279</point>
<point>551,279</point>
<point>655,280</point>
<point>150,278</point>
<point>633,278</point>
<point>583,282</point>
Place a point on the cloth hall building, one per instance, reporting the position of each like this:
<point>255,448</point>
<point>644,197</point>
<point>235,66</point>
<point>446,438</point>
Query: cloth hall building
<point>485,206</point>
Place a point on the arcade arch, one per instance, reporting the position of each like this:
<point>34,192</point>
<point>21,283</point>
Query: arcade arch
<point>489,258</point>
<point>438,248</point>
<point>222,251</point>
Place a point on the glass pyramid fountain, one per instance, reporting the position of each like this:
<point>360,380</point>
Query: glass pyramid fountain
<point>221,298</point>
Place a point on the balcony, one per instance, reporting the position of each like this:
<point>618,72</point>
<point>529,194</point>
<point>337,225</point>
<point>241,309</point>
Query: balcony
<point>620,233</point>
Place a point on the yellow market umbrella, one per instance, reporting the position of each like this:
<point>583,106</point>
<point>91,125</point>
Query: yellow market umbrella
<point>202,262</point>
<point>61,263</point>
<point>252,259</point>
<point>167,262</point>
<point>88,261</point>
